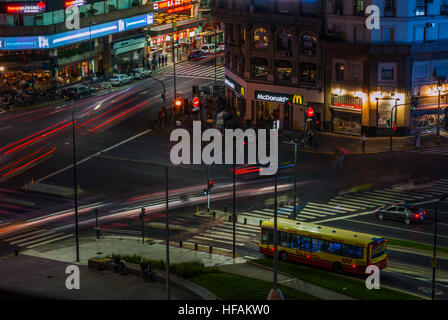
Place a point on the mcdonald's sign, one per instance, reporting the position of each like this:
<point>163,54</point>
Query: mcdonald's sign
<point>297,99</point>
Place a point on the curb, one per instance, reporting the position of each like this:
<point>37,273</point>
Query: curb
<point>178,282</point>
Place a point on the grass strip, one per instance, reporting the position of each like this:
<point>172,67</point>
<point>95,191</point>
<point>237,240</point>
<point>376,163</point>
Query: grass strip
<point>228,286</point>
<point>350,287</point>
<point>415,245</point>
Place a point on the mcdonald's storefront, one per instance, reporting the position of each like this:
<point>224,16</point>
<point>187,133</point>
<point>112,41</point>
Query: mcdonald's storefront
<point>236,94</point>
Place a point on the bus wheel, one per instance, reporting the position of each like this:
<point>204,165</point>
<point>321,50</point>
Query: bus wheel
<point>337,267</point>
<point>283,256</point>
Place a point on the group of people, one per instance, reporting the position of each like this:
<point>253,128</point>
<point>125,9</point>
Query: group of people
<point>158,60</point>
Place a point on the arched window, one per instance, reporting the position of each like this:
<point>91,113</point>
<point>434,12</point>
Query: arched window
<point>284,40</point>
<point>261,38</point>
<point>308,44</point>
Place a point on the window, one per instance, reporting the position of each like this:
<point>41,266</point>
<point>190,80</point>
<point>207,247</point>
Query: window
<point>308,44</point>
<point>267,236</point>
<point>443,31</point>
<point>305,243</point>
<point>261,38</point>
<point>421,71</point>
<point>388,34</point>
<point>338,7</point>
<point>386,72</point>
<point>284,6</point>
<point>283,70</point>
<point>243,35</point>
<point>420,8</point>
<point>334,248</point>
<point>283,239</point>
<point>294,241</point>
<point>284,40</point>
<point>339,71</point>
<point>353,252</point>
<point>308,72</point>
<point>259,68</point>
<point>358,10</point>
<point>318,245</point>
<point>260,5</point>
<point>358,33</point>
<point>444,8</point>
<point>389,8</point>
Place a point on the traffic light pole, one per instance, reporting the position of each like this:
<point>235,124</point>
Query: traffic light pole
<point>275,234</point>
<point>208,188</point>
<point>167,241</point>
<point>234,214</point>
<point>395,107</point>
<point>174,62</point>
<point>434,257</point>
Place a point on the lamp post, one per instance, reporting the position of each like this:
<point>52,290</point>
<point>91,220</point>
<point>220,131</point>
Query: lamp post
<point>434,257</point>
<point>75,182</point>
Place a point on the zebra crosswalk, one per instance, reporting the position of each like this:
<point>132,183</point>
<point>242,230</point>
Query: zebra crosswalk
<point>34,238</point>
<point>438,151</point>
<point>194,70</point>
<point>222,235</point>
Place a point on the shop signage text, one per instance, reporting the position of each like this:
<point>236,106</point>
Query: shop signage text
<point>74,3</point>
<point>26,7</point>
<point>278,97</point>
<point>65,38</point>
<point>170,3</point>
<point>235,86</point>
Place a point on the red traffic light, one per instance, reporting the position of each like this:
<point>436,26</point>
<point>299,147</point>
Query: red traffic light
<point>310,112</point>
<point>196,102</point>
<point>395,127</point>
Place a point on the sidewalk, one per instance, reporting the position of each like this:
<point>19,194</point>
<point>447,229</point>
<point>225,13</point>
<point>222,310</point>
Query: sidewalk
<point>155,250</point>
<point>328,142</point>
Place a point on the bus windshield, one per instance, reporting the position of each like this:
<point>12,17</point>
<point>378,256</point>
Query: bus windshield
<point>378,248</point>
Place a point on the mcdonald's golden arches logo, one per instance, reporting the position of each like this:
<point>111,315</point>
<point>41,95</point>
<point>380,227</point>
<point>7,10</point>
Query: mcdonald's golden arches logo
<point>297,99</point>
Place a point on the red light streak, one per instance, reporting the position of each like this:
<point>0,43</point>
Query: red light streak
<point>11,144</point>
<point>39,137</point>
<point>18,161</point>
<point>28,163</point>
<point>104,113</point>
<point>118,116</point>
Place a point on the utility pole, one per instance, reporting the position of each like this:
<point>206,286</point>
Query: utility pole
<point>90,43</point>
<point>75,182</point>
<point>167,241</point>
<point>216,57</point>
<point>434,257</point>
<point>174,60</point>
<point>142,216</point>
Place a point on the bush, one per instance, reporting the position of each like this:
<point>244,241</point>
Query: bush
<point>184,270</point>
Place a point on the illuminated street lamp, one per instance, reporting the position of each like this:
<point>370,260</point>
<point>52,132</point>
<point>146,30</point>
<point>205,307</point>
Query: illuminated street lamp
<point>440,89</point>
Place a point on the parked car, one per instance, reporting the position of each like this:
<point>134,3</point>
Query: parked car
<point>78,92</point>
<point>196,55</point>
<point>140,73</point>
<point>402,212</point>
<point>120,79</point>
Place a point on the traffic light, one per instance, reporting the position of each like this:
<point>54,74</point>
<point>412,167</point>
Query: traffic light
<point>395,128</point>
<point>195,102</point>
<point>310,112</point>
<point>178,103</point>
<point>163,98</point>
<point>211,184</point>
<point>142,214</point>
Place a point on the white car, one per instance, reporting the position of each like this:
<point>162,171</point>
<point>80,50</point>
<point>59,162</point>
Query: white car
<point>120,79</point>
<point>140,73</point>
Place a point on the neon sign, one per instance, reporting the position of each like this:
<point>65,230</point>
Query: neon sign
<point>69,37</point>
<point>171,3</point>
<point>74,3</point>
<point>26,7</point>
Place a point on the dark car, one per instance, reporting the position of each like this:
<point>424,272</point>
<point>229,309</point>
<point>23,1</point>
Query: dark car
<point>401,212</point>
<point>196,55</point>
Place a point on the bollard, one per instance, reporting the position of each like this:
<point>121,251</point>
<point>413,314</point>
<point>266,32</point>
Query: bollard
<point>230,218</point>
<point>195,246</point>
<point>103,234</point>
<point>214,214</point>
<point>245,220</point>
<point>180,243</point>
<point>210,249</point>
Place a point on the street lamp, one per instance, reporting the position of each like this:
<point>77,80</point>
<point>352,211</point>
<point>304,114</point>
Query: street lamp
<point>434,257</point>
<point>440,88</point>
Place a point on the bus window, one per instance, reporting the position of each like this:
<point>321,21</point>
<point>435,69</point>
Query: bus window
<point>305,243</point>
<point>334,248</point>
<point>283,239</point>
<point>295,241</point>
<point>318,245</point>
<point>267,236</point>
<point>352,251</point>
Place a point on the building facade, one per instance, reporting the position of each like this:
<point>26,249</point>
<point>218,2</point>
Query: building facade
<point>114,36</point>
<point>273,59</point>
<point>354,77</point>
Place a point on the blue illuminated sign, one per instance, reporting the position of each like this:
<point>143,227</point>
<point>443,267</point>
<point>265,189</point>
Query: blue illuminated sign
<point>65,38</point>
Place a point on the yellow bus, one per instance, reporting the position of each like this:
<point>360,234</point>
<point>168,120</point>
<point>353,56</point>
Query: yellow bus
<point>326,247</point>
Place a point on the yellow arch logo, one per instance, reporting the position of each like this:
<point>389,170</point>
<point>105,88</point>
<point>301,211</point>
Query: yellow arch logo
<point>297,99</point>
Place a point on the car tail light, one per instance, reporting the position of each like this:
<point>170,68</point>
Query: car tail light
<point>424,212</point>
<point>354,266</point>
<point>416,215</point>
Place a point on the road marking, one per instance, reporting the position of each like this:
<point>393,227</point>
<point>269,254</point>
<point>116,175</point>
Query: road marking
<point>401,229</point>
<point>4,128</point>
<point>94,155</point>
<point>345,217</point>
<point>49,241</point>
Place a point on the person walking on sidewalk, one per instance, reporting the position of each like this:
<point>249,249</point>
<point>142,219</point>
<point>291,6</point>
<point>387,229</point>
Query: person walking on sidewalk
<point>363,142</point>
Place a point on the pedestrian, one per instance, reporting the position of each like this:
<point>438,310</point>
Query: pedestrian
<point>158,59</point>
<point>363,141</point>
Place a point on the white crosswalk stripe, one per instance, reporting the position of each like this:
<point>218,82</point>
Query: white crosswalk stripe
<point>439,150</point>
<point>223,234</point>
<point>35,238</point>
<point>199,71</point>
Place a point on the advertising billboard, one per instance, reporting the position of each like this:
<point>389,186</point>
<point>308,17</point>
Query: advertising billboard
<point>69,37</point>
